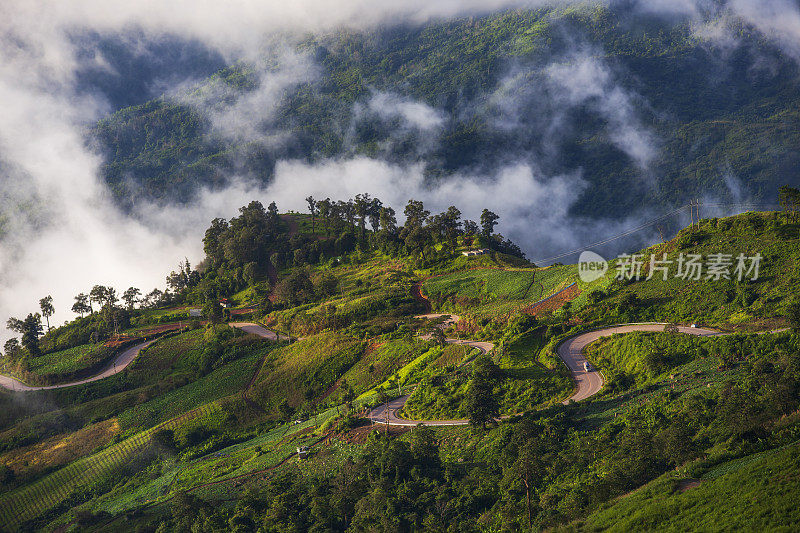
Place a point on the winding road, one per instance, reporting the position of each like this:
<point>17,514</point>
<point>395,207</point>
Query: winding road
<point>587,384</point>
<point>119,364</point>
<point>125,358</point>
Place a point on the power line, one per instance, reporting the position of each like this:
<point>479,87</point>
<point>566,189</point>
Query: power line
<point>651,223</point>
<point>615,237</point>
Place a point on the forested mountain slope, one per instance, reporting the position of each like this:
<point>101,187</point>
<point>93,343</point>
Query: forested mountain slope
<point>630,102</point>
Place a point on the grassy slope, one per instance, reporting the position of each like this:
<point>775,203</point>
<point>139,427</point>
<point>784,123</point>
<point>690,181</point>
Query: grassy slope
<point>311,365</point>
<point>756,495</point>
<point>526,384</point>
<point>720,302</point>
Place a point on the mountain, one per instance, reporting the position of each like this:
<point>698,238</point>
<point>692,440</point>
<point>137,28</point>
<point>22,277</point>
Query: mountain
<point>644,108</point>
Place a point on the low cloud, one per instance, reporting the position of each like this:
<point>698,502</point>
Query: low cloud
<point>585,80</point>
<point>63,233</point>
<point>414,114</point>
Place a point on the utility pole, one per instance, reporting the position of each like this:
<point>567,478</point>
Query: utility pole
<point>697,207</point>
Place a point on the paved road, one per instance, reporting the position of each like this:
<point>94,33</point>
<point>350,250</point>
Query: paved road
<point>261,331</point>
<point>125,358</point>
<point>119,364</point>
<point>588,384</point>
<point>379,414</point>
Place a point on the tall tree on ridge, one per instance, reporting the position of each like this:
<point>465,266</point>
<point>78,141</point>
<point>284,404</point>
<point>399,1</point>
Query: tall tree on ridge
<point>46,305</point>
<point>488,222</point>
<point>130,297</point>
<point>81,305</point>
<point>312,207</point>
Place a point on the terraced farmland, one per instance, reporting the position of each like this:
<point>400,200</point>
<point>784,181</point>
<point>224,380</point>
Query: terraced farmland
<point>492,291</point>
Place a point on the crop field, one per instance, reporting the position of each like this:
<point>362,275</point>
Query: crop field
<point>36,498</point>
<point>219,474</point>
<point>168,354</point>
<point>224,381</point>
<point>495,291</point>
<point>63,361</point>
<point>60,449</point>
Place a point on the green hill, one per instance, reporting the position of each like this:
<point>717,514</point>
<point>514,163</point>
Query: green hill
<point>202,430</point>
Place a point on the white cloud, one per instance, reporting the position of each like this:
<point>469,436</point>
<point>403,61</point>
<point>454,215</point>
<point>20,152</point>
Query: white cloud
<point>415,114</point>
<point>586,79</point>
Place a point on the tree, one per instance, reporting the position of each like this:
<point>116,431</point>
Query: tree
<point>131,297</point>
<point>327,284</point>
<point>81,305</point>
<point>388,220</point>
<point>312,208</point>
<point>482,405</point>
<point>272,214</point>
<point>154,298</point>
<point>295,288</point>
<point>415,215</point>
<point>97,295</point>
<point>374,213</point>
<point>212,309</point>
<point>671,328</point>
<point>362,207</point>
<point>324,210</point>
<point>488,222</point>
<point>11,348</point>
<point>31,330</point>
<point>789,200</point>
<point>417,240</point>
<point>46,305</point>
<point>438,336</point>
<point>470,228</point>
<point>214,237</point>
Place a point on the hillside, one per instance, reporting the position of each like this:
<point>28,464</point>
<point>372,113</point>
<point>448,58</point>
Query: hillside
<point>709,121</point>
<point>202,429</point>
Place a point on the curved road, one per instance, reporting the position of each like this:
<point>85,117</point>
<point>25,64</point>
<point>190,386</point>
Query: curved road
<point>587,384</point>
<point>119,364</point>
<point>125,358</point>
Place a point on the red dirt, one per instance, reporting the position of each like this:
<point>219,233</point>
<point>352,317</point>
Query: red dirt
<point>688,484</point>
<point>416,291</point>
<point>551,304</point>
<point>161,328</point>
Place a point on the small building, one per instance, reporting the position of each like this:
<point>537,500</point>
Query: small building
<point>302,452</point>
<point>195,313</point>
<point>472,253</point>
<point>225,303</point>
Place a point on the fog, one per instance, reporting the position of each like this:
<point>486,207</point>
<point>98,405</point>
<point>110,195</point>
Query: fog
<point>62,232</point>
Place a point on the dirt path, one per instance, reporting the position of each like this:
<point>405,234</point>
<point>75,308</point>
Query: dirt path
<point>416,291</point>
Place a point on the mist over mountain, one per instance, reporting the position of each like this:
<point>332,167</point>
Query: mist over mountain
<point>574,121</point>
